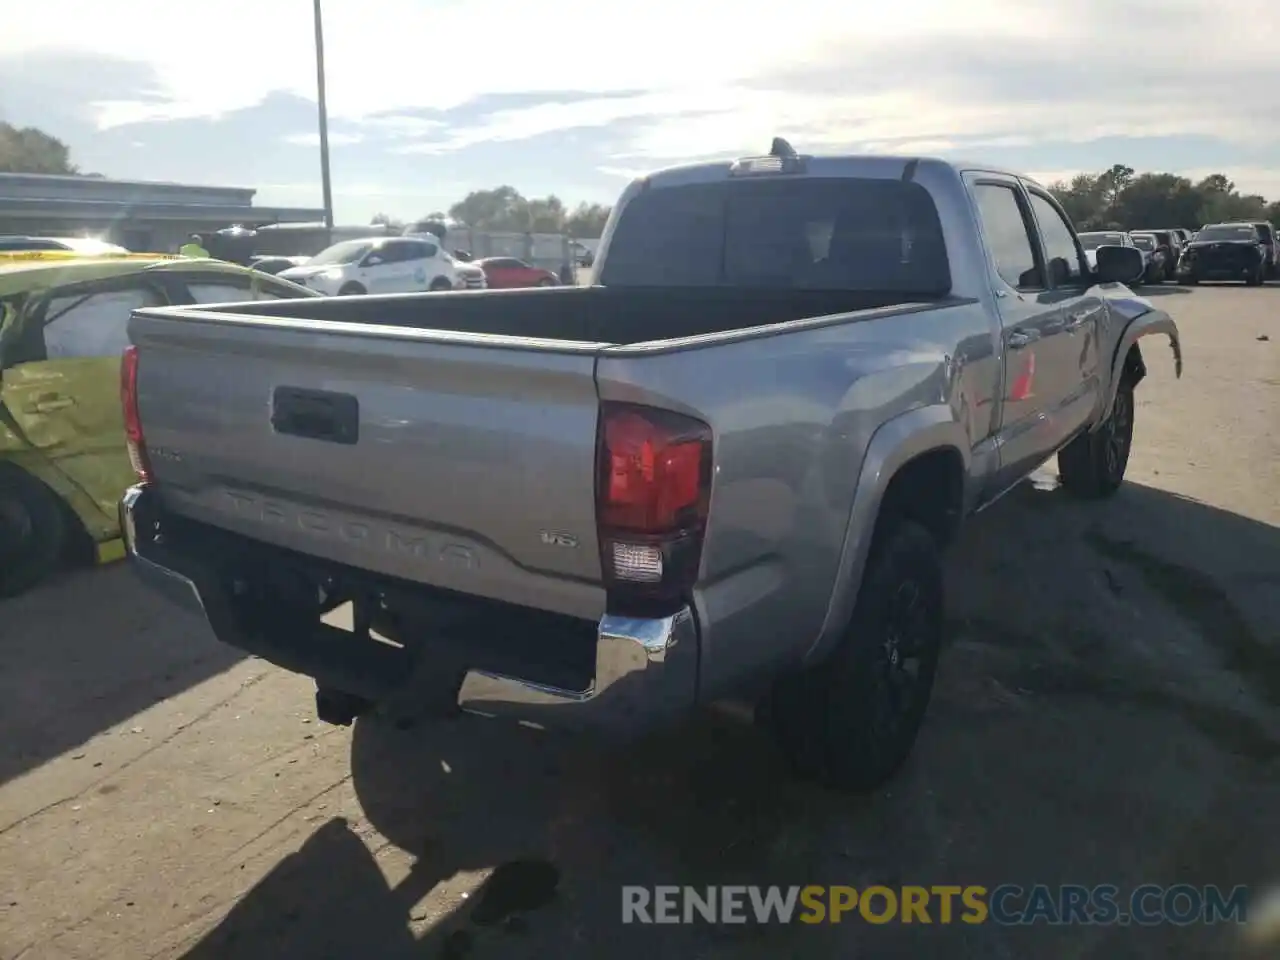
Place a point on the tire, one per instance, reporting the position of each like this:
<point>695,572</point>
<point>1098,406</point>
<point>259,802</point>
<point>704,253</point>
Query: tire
<point>33,531</point>
<point>546,282</point>
<point>352,290</point>
<point>1256,278</point>
<point>851,721</point>
<point>439,285</point>
<point>1092,465</point>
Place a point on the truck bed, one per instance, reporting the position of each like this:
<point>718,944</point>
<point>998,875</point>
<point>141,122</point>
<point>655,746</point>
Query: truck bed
<point>603,315</point>
<point>455,448</point>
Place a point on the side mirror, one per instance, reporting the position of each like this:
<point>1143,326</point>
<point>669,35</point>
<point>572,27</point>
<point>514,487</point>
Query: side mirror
<point>1119,264</point>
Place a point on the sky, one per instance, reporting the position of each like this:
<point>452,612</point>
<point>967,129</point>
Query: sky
<point>429,99</point>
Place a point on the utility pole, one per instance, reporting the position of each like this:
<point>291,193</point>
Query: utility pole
<point>324,129</point>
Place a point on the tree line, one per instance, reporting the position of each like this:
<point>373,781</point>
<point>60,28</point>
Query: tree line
<point>29,150</point>
<point>1115,199</point>
<point>1120,199</point>
<point>505,208</point>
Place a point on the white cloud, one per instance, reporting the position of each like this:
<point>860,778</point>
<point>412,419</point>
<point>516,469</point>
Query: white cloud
<point>921,76</point>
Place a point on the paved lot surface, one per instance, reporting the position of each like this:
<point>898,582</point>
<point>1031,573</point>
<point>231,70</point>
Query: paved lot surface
<point>1108,711</point>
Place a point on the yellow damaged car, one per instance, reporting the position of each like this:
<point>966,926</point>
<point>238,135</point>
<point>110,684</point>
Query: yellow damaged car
<point>63,327</point>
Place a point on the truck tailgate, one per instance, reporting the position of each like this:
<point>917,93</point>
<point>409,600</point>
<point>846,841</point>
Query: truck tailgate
<point>426,457</point>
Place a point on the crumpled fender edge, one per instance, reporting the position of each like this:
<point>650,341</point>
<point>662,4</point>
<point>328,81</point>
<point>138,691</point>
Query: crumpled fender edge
<point>1152,322</point>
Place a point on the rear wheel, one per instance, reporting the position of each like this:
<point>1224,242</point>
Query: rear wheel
<point>851,721</point>
<point>546,282</point>
<point>439,285</point>
<point>1092,465</point>
<point>1256,277</point>
<point>33,531</point>
<point>352,290</point>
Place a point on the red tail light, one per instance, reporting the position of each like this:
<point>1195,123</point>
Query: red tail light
<point>653,491</point>
<point>134,439</point>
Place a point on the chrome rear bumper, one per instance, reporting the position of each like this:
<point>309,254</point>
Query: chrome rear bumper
<point>646,670</point>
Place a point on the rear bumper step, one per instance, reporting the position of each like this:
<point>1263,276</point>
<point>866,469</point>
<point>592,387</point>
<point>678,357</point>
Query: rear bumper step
<point>645,669</point>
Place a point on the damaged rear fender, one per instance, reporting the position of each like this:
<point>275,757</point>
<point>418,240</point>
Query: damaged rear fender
<point>1152,322</point>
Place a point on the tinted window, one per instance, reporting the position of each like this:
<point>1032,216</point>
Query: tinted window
<point>820,233</point>
<point>231,293</point>
<point>387,253</point>
<point>1060,250</point>
<point>1091,241</point>
<point>415,250</point>
<point>349,251</point>
<point>1008,239</point>
<point>1229,232</point>
<point>95,325</point>
<point>11,243</point>
<point>1264,231</point>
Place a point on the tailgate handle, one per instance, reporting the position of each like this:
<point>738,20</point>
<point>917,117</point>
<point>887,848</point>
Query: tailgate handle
<point>316,414</point>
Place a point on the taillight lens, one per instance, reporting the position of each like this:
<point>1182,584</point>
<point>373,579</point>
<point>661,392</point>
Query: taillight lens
<point>653,492</point>
<point>134,440</point>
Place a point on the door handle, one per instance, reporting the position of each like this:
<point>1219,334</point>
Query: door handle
<point>1021,338</point>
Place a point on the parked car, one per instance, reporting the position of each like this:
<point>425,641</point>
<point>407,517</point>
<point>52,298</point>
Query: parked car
<point>1170,244</point>
<point>472,276</point>
<point>379,265</point>
<point>504,273</point>
<point>1225,251</point>
<point>63,462</point>
<point>83,245</point>
<point>275,265</point>
<point>727,469</point>
<point>1153,257</point>
<point>583,255</point>
<point>1270,252</point>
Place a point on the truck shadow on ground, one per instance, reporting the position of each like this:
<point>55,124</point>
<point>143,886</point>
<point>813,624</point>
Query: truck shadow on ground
<point>62,682</point>
<point>1108,712</point>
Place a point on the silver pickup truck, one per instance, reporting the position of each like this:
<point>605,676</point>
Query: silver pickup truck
<point>726,470</point>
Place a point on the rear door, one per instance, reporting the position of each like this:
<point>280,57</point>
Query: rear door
<point>424,265</point>
<point>61,384</point>
<point>1032,328</point>
<point>388,269</point>
<point>1075,354</point>
<point>502,272</point>
<point>525,275</point>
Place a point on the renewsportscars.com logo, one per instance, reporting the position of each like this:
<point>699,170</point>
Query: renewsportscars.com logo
<point>1006,905</point>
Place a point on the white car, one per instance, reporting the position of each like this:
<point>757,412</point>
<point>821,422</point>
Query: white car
<point>1100,238</point>
<point>380,265</point>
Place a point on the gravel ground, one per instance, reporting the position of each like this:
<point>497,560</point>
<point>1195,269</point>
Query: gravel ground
<point>1108,711</point>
